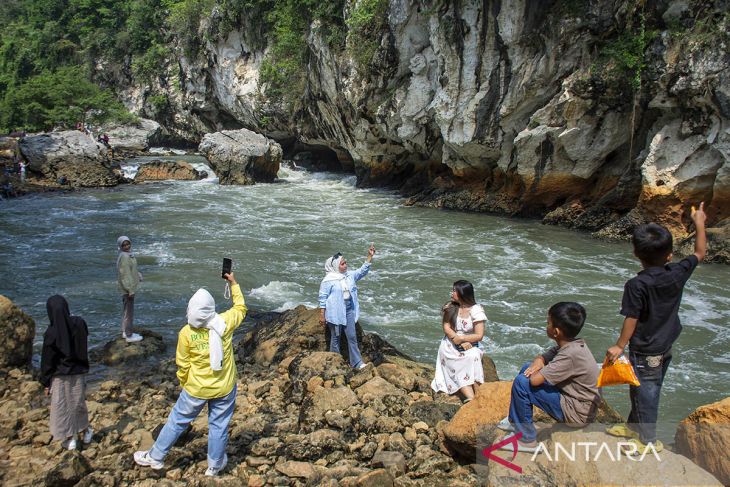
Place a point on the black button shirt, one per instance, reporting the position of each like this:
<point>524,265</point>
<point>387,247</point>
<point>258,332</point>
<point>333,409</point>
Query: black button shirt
<point>653,297</point>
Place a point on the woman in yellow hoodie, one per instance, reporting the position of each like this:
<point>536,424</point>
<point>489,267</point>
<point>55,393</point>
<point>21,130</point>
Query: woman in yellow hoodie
<point>207,374</point>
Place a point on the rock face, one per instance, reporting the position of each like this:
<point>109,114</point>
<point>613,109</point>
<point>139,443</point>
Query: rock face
<point>704,438</point>
<point>17,331</point>
<point>165,170</point>
<point>241,156</point>
<point>461,107</point>
<point>72,155</point>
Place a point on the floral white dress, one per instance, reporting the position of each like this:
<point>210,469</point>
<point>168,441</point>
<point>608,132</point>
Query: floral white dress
<point>455,369</point>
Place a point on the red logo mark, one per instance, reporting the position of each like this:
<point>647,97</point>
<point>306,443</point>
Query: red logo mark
<point>487,452</point>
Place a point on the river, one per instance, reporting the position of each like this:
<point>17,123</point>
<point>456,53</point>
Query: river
<point>279,235</point>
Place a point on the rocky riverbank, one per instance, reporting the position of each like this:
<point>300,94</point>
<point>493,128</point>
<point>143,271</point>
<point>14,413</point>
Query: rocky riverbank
<point>303,417</point>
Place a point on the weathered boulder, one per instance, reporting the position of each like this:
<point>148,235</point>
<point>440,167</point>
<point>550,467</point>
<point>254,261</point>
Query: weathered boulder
<point>476,421</point>
<point>704,437</point>
<point>165,170</point>
<point>70,154</point>
<point>118,351</point>
<point>135,138</point>
<point>17,331</point>
<point>241,156</point>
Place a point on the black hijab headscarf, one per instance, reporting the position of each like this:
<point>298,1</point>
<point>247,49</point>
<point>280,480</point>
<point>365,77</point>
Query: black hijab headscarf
<point>62,327</point>
<point>64,343</point>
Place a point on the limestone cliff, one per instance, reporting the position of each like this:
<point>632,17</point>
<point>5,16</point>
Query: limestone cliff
<point>593,114</point>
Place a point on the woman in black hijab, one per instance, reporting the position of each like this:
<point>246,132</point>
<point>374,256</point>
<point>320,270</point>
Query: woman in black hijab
<point>64,364</point>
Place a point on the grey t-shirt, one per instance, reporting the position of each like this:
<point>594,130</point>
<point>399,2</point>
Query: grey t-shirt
<point>574,371</point>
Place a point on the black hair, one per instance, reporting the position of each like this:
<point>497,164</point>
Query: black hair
<point>652,244</point>
<point>568,316</point>
<point>465,291</point>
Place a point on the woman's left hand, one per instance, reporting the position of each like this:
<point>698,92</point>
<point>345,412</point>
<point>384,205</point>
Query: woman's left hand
<point>371,250</point>
<point>466,346</point>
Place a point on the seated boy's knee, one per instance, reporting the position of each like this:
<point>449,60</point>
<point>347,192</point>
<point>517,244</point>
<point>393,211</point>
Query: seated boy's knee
<point>521,381</point>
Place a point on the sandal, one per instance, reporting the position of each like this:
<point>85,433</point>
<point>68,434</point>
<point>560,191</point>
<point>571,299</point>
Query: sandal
<point>622,431</point>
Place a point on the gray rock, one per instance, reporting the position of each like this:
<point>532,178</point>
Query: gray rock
<point>241,156</point>
<point>392,461</point>
<point>118,351</point>
<point>69,154</point>
<point>134,138</point>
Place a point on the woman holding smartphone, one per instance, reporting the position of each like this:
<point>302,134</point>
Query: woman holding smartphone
<point>207,374</point>
<point>338,306</point>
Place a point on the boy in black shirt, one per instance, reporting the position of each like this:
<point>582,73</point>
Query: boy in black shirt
<point>651,325</point>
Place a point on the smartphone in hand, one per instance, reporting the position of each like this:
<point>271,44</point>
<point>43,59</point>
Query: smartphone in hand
<point>227,267</point>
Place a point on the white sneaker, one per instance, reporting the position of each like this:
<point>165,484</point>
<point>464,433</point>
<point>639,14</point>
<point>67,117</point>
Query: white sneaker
<point>362,366</point>
<point>88,435</point>
<point>143,458</point>
<point>213,471</point>
<point>132,338</point>
<point>69,444</point>
<point>505,425</point>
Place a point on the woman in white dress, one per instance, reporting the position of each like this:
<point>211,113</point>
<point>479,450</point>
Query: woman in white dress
<point>459,362</point>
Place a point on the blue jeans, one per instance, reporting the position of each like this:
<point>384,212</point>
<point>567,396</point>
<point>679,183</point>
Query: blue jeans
<point>350,333</point>
<point>650,370</point>
<point>545,396</point>
<point>186,409</point>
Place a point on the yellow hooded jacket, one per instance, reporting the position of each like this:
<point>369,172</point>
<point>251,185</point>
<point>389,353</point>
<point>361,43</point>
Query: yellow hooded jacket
<point>193,358</point>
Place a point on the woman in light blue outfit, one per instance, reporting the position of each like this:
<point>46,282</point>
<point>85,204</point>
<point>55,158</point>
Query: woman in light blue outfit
<point>338,306</point>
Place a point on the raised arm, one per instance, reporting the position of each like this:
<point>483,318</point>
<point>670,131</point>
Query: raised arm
<point>365,268</point>
<point>699,217</point>
<point>235,315</point>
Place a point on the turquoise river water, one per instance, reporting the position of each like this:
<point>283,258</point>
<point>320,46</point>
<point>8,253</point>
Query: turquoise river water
<point>279,235</point>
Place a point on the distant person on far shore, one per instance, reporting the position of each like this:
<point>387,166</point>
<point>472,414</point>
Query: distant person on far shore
<point>64,365</point>
<point>560,381</point>
<point>207,374</point>
<point>22,165</point>
<point>338,305</point>
<point>129,279</point>
<point>459,361</point>
<point>650,307</point>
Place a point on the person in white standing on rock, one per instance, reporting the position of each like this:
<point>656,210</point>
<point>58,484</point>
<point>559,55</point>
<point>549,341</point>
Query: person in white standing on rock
<point>129,279</point>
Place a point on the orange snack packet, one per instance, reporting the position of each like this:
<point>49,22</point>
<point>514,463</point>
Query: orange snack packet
<point>617,373</point>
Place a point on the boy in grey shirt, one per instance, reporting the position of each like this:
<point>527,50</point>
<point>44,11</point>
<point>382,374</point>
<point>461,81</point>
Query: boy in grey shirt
<point>561,381</point>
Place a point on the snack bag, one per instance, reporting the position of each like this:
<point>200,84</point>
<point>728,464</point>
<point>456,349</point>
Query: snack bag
<point>617,373</point>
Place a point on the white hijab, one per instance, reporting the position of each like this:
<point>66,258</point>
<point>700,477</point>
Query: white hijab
<point>332,268</point>
<point>201,314</point>
<point>120,241</point>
